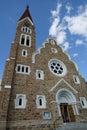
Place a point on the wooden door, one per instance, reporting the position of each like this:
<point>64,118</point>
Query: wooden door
<point>72,117</point>
<point>62,112</point>
<point>67,112</point>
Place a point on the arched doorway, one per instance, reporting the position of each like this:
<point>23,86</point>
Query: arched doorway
<point>66,105</point>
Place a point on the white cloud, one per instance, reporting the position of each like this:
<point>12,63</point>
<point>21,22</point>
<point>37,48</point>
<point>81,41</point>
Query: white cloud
<point>53,28</point>
<point>77,25</point>
<point>75,54</point>
<point>66,46</point>
<point>61,37</point>
<point>55,20</point>
<point>79,42</point>
<point>69,24</point>
<point>57,28</point>
<point>68,8</point>
<point>81,9</point>
<point>56,12</point>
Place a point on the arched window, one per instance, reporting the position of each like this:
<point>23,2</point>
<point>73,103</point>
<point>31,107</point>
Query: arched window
<point>41,101</point>
<point>23,40</point>
<point>18,69</point>
<point>26,29</point>
<point>39,74</point>
<point>27,41</point>
<point>27,69</point>
<point>83,102</point>
<point>23,68</point>
<point>20,101</point>
<point>24,53</point>
<point>76,79</point>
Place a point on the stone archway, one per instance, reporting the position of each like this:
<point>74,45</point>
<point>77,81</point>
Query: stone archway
<point>66,105</point>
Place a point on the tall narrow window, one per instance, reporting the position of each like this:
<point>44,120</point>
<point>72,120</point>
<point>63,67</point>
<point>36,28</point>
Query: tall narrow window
<point>76,79</point>
<point>40,102</point>
<point>83,102</point>
<point>39,74</point>
<point>23,29</point>
<point>24,53</point>
<point>23,40</point>
<point>27,69</point>
<point>27,41</point>
<point>20,101</point>
<point>18,69</point>
<point>26,29</point>
<point>22,68</point>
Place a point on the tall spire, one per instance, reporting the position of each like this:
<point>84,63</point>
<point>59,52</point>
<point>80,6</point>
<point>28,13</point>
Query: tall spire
<point>26,14</point>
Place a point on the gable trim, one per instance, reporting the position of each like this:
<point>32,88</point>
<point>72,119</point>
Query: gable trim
<point>62,80</point>
<point>25,19</point>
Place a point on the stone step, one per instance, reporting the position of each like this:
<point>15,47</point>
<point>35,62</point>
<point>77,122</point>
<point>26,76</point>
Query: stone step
<point>73,126</point>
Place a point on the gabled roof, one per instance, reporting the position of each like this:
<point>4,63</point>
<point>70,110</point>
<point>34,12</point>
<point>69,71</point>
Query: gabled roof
<point>26,14</point>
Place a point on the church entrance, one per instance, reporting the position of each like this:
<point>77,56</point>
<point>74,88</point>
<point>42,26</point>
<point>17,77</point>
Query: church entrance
<point>67,108</point>
<point>67,112</point>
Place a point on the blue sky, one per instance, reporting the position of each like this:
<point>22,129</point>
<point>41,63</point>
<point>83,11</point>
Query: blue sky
<point>65,20</point>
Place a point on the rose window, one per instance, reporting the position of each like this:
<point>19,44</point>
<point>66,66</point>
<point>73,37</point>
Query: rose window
<point>57,67</point>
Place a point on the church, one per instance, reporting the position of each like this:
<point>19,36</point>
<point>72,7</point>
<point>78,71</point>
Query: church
<point>41,90</point>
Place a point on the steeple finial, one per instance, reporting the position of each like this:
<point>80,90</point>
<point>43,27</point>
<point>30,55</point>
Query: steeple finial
<point>27,6</point>
<point>26,14</point>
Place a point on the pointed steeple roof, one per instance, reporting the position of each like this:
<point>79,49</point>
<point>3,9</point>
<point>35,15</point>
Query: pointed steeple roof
<point>26,14</point>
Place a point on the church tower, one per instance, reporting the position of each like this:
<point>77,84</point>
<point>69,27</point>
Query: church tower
<point>18,68</point>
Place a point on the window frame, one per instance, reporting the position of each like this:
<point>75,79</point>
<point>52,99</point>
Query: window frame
<point>25,53</point>
<point>76,79</point>
<point>43,99</point>
<point>26,29</point>
<point>23,101</point>
<point>60,71</point>
<point>40,74</point>
<point>24,69</point>
<point>26,37</point>
<point>83,100</point>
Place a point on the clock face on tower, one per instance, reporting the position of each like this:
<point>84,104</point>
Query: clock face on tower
<point>57,67</point>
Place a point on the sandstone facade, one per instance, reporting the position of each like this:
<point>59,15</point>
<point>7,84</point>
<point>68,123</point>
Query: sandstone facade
<point>40,90</point>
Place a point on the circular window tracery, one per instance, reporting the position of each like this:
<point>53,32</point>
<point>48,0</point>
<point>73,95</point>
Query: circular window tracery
<point>57,67</point>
